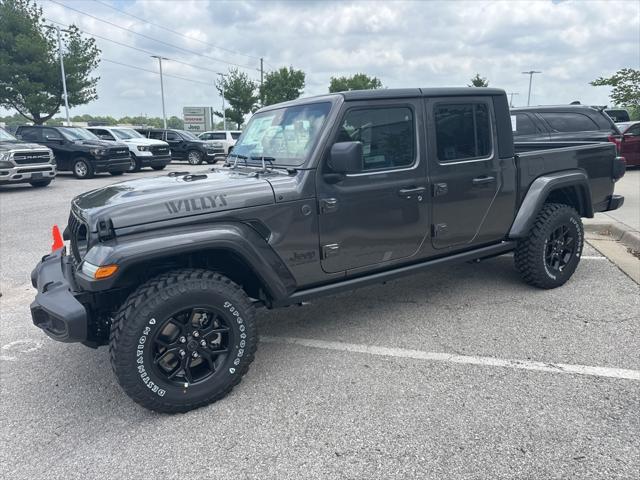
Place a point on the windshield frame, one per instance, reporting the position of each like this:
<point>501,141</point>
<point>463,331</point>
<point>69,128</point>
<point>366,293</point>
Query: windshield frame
<point>255,159</point>
<point>120,133</point>
<point>6,136</point>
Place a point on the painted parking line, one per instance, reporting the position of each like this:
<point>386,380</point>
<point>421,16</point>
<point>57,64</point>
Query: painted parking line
<point>593,257</point>
<point>620,373</point>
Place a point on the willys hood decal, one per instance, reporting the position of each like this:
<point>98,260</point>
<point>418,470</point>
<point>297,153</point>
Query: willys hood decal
<point>154,199</point>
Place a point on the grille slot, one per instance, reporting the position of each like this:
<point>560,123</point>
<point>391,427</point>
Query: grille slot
<point>26,158</point>
<point>78,238</point>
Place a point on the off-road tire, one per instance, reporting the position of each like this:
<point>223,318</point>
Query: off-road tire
<point>40,183</point>
<point>159,167</point>
<point>82,172</point>
<point>144,312</point>
<point>529,255</point>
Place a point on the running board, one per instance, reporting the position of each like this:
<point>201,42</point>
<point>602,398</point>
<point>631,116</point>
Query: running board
<point>380,277</point>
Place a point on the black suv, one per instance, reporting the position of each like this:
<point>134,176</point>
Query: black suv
<point>568,123</point>
<point>184,145</point>
<point>78,150</point>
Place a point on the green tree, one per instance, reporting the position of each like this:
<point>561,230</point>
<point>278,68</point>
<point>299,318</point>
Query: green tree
<point>240,93</point>
<point>282,85</point>
<point>30,79</point>
<point>359,81</point>
<point>175,122</point>
<point>625,91</point>
<point>479,81</point>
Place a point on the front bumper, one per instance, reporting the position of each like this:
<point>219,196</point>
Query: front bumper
<point>112,165</point>
<point>614,202</point>
<point>27,173</point>
<point>154,160</point>
<point>56,310</point>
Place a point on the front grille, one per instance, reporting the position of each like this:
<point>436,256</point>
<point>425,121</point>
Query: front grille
<point>160,150</point>
<point>118,153</point>
<point>26,158</point>
<point>32,170</point>
<point>78,237</point>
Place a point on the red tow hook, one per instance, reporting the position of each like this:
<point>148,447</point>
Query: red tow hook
<point>58,243</point>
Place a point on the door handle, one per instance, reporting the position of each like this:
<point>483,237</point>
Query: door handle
<point>483,181</point>
<point>408,192</point>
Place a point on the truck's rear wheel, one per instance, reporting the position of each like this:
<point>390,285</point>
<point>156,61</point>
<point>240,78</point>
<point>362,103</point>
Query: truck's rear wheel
<point>183,340</point>
<point>550,253</point>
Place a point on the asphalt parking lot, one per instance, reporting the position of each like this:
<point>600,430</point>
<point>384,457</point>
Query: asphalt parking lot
<point>461,372</point>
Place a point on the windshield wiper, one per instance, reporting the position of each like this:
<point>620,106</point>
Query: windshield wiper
<point>238,156</point>
<point>264,161</point>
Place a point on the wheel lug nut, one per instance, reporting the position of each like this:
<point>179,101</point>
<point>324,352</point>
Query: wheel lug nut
<point>183,340</point>
<point>195,355</point>
<point>195,334</point>
<point>182,353</point>
<point>203,343</point>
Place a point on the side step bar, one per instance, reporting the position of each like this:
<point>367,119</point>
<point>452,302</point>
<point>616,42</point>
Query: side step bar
<point>380,277</point>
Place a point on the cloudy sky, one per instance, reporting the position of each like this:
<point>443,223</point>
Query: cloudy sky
<point>405,44</point>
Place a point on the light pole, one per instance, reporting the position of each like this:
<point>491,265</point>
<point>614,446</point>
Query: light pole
<point>164,115</point>
<point>64,80</point>
<point>511,94</point>
<point>530,73</point>
<point>224,112</point>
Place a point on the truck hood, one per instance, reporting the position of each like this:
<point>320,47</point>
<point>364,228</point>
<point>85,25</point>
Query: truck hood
<point>98,143</point>
<point>19,145</point>
<point>145,142</point>
<point>168,197</point>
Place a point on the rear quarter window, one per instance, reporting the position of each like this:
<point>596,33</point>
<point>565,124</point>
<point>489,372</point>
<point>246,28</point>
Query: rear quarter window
<point>569,121</point>
<point>29,134</point>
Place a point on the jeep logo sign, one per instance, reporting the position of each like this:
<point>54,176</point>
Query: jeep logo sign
<point>209,202</point>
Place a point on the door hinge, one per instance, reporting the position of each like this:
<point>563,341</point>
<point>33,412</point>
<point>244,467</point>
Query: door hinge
<point>330,250</point>
<point>440,189</point>
<point>439,230</point>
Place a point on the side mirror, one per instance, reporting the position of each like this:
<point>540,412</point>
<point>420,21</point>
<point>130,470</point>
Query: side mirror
<point>346,157</point>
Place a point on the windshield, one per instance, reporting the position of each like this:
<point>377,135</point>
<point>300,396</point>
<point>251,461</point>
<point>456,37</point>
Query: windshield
<point>126,133</point>
<point>188,135</point>
<point>285,135</point>
<point>6,136</point>
<point>76,133</point>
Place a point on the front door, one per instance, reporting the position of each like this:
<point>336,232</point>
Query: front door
<point>176,144</point>
<point>61,147</point>
<point>379,214</point>
<point>464,169</point>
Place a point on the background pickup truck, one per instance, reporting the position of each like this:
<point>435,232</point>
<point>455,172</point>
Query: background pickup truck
<point>320,195</point>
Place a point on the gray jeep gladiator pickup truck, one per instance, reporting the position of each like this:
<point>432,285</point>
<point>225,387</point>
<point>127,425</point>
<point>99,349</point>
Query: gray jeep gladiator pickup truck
<point>320,195</point>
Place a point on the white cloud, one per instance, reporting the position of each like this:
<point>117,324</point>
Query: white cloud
<point>405,44</point>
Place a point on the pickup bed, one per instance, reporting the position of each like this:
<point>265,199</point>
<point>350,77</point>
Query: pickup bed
<point>319,195</point>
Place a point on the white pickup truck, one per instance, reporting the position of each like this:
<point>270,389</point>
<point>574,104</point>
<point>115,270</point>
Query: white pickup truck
<point>222,139</point>
<point>145,152</point>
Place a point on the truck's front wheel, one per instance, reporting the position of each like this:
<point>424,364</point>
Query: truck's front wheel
<point>550,253</point>
<point>183,340</point>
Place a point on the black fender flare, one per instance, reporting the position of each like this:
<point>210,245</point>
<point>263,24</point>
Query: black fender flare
<point>540,190</point>
<point>234,237</point>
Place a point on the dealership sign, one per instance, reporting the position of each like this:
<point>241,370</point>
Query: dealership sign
<point>197,119</point>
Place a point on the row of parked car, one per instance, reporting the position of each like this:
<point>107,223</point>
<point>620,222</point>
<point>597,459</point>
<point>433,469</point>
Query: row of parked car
<point>39,151</point>
<point>116,150</point>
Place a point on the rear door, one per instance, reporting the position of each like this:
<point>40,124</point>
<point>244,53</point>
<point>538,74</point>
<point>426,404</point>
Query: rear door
<point>379,214</point>
<point>630,146</point>
<point>464,169</point>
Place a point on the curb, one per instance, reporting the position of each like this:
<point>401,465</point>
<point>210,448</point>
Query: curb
<point>616,231</point>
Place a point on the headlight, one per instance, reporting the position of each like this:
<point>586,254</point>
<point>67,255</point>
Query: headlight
<point>98,152</point>
<point>143,148</point>
<point>98,272</point>
<point>4,156</point>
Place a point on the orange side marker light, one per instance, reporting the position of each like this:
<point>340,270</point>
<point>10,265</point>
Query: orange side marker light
<point>58,243</point>
<point>105,272</point>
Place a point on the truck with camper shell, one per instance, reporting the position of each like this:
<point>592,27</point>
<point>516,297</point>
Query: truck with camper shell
<point>319,195</point>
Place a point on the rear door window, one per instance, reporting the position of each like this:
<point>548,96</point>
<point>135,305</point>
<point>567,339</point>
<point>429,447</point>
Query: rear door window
<point>155,135</point>
<point>569,121</point>
<point>463,131</point>
<point>31,134</point>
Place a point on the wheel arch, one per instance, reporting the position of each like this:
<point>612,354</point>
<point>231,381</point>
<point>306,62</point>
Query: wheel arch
<point>569,188</point>
<point>234,250</point>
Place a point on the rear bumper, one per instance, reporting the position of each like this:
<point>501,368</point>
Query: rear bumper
<point>56,310</point>
<point>614,202</point>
